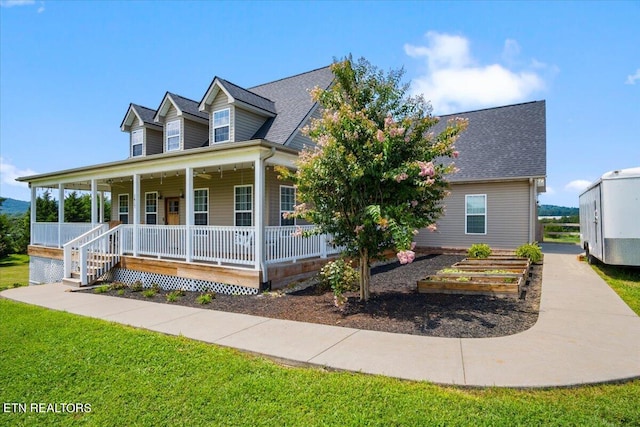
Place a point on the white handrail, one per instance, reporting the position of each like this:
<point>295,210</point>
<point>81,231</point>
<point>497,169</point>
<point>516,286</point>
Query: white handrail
<point>70,247</point>
<point>99,255</point>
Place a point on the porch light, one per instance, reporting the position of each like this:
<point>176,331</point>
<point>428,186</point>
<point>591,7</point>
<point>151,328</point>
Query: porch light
<point>234,168</point>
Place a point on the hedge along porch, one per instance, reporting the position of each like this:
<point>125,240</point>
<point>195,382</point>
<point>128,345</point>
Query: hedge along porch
<point>218,206</point>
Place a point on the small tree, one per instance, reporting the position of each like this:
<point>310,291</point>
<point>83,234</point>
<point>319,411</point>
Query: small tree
<point>372,180</point>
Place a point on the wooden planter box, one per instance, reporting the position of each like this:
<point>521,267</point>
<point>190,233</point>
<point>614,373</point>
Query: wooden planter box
<point>487,286</point>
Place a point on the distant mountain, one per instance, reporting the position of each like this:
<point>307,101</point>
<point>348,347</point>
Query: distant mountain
<point>553,210</point>
<point>14,207</point>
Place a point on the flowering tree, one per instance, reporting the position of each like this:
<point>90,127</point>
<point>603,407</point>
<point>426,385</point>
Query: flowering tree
<point>371,181</point>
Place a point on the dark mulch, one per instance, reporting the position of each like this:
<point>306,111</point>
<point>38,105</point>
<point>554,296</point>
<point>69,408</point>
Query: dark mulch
<point>394,306</point>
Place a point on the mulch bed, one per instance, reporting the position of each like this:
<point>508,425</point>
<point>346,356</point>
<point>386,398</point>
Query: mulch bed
<point>394,306</point>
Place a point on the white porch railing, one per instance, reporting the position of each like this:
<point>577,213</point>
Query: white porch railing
<point>54,234</point>
<point>282,244</point>
<point>71,248</point>
<point>234,245</point>
<point>99,255</point>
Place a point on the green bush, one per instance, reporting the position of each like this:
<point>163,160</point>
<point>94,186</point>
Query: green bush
<point>149,293</point>
<point>174,296</point>
<point>531,251</point>
<point>479,250</point>
<point>205,298</point>
<point>136,286</point>
<point>340,277</point>
<point>117,286</point>
<point>101,289</point>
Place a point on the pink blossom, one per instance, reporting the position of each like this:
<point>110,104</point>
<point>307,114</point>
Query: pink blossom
<point>413,245</point>
<point>414,203</point>
<point>406,257</point>
<point>298,232</point>
<point>323,140</point>
<point>388,121</point>
<point>432,227</point>
<point>286,215</point>
<point>358,228</point>
<point>394,131</point>
<point>402,177</point>
<point>426,169</point>
<point>456,154</point>
<point>415,232</point>
<point>429,181</point>
<point>380,136</point>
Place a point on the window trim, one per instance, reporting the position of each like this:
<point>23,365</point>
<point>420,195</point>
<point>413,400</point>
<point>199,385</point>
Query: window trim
<point>141,143</point>
<point>467,214</point>
<point>120,213</point>
<point>236,211</point>
<point>206,205</point>
<point>280,205</point>
<point>179,136</point>
<point>146,207</point>
<point>214,127</point>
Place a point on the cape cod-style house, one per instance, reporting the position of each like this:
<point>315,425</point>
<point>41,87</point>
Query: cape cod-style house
<point>197,204</point>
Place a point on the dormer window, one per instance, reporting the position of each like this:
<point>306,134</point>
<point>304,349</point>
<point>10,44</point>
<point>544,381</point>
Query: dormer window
<point>221,125</point>
<point>136,143</point>
<point>173,136</point>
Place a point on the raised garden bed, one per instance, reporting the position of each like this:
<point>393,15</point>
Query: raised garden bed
<point>496,275</point>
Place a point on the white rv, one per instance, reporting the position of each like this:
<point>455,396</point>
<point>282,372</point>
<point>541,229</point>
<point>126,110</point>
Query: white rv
<point>610,218</point>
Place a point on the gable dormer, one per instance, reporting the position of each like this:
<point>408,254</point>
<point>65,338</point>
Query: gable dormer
<point>184,126</point>
<point>235,114</point>
<point>145,136</point>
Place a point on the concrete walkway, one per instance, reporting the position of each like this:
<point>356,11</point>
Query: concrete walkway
<point>584,334</point>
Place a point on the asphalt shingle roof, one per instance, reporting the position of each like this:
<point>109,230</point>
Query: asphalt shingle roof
<point>188,106</point>
<point>248,97</point>
<point>292,102</point>
<point>146,114</point>
<point>502,142</point>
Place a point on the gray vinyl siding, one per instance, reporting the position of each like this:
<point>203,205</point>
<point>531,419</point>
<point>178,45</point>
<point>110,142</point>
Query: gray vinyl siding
<point>300,141</point>
<point>246,124</point>
<point>507,221</point>
<point>220,103</point>
<point>195,134</point>
<point>153,141</point>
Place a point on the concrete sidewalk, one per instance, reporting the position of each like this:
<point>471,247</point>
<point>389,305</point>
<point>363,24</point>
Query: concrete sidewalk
<point>584,334</point>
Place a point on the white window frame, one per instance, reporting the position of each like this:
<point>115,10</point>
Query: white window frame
<point>289,211</point>
<point>148,212</point>
<point>135,143</point>
<point>173,123</point>
<point>467,214</point>
<point>120,212</point>
<point>219,126</point>
<point>237,211</point>
<point>195,206</point>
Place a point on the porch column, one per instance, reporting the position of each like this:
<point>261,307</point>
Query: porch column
<point>34,215</point>
<point>188,190</point>
<point>94,202</point>
<point>101,207</point>
<point>259,212</point>
<point>60,213</point>
<point>136,212</point>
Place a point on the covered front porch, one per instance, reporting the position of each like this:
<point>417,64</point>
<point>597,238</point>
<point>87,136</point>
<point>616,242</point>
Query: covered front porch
<point>217,207</point>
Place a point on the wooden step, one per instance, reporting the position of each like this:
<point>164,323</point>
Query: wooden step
<point>71,281</point>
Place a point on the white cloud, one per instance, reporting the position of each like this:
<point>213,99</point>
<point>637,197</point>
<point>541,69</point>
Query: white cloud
<point>455,81</point>
<point>550,190</point>
<point>631,79</point>
<point>577,185</point>
<point>9,173</point>
<point>12,3</point>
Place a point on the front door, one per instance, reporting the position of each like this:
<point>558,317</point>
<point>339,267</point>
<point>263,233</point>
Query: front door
<point>173,210</point>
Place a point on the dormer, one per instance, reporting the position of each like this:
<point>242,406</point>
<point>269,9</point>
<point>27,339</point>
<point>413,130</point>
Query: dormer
<point>184,126</point>
<point>145,136</point>
<point>235,114</point>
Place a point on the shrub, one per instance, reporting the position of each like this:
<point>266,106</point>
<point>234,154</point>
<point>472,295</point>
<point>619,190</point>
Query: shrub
<point>18,285</point>
<point>174,296</point>
<point>205,298</point>
<point>136,286</point>
<point>531,251</point>
<point>341,277</point>
<point>479,250</point>
<point>155,287</point>
<point>101,289</point>
<point>149,293</point>
<point>117,286</point>
<point>120,292</point>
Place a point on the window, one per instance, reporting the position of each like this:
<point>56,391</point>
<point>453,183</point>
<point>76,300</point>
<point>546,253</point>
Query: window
<point>136,142</point>
<point>123,208</point>
<point>287,201</point>
<point>476,214</point>
<point>221,126</point>
<point>201,206</point>
<point>243,205</point>
<point>151,208</point>
<point>173,135</point>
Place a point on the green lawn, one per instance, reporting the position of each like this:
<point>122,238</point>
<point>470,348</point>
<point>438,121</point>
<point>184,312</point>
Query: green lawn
<point>624,280</point>
<point>136,377</point>
<point>14,269</point>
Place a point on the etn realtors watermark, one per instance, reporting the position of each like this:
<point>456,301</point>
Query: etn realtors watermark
<point>45,408</point>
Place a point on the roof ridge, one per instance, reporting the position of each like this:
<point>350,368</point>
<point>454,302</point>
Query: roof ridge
<point>245,89</point>
<point>183,97</point>
<point>491,108</point>
<point>141,106</point>
<point>289,77</point>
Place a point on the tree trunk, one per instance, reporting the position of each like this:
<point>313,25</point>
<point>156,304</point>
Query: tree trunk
<point>365,275</point>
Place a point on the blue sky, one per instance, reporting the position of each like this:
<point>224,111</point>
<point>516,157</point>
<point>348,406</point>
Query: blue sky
<point>69,69</point>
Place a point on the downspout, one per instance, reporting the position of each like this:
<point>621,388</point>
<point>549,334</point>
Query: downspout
<point>260,169</point>
<point>532,210</point>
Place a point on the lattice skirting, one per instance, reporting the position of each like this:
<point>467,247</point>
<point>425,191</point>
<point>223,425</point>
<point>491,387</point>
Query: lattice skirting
<point>45,270</point>
<point>171,283</point>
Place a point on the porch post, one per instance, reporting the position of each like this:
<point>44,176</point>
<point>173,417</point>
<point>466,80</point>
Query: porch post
<point>34,204</point>
<point>136,212</point>
<point>188,189</point>
<point>94,202</point>
<point>60,213</point>
<point>101,207</point>
<point>259,212</point>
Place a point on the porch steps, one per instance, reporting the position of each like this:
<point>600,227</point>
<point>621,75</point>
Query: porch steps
<point>100,265</point>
